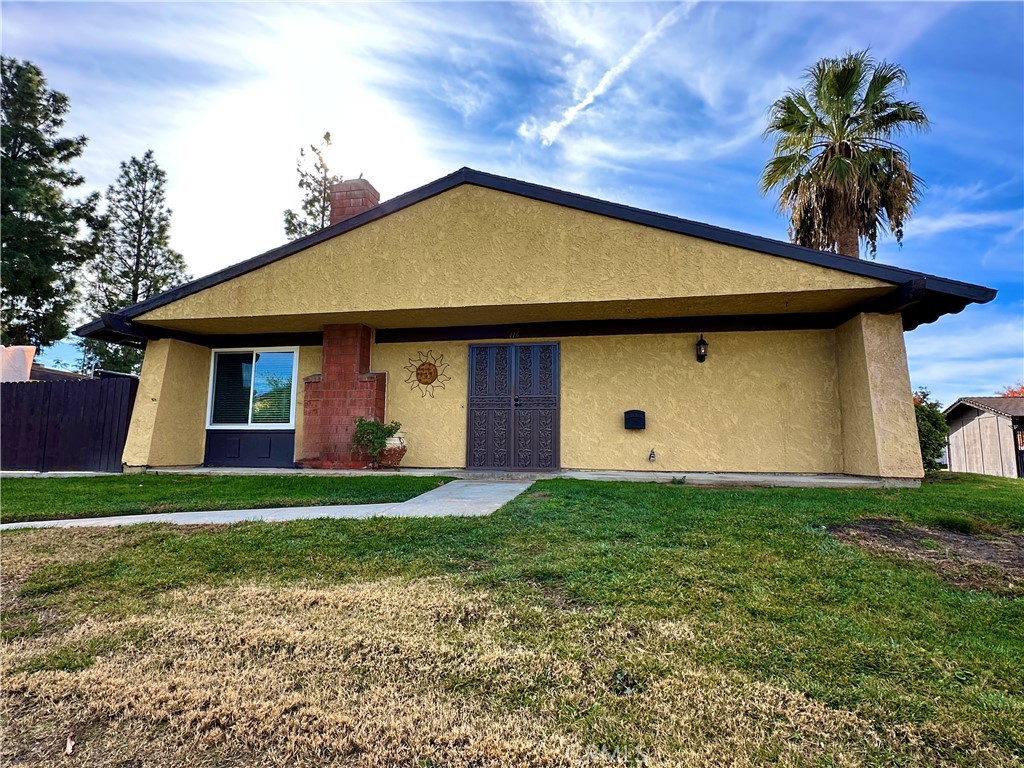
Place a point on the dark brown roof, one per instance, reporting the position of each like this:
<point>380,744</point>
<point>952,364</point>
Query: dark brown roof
<point>42,373</point>
<point>1004,406</point>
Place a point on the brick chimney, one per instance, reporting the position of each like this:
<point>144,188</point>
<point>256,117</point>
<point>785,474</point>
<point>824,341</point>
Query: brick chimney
<point>351,197</point>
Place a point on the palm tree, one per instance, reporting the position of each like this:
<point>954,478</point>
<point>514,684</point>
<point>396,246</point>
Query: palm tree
<point>839,172</point>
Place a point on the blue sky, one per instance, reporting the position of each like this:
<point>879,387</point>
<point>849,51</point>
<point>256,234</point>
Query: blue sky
<point>660,106</point>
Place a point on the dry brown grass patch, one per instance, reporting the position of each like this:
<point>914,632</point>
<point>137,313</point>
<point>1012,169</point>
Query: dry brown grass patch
<point>413,673</point>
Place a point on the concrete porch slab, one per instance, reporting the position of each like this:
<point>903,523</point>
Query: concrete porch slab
<point>698,479</point>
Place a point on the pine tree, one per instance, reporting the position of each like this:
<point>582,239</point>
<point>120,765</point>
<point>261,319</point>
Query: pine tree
<point>315,183</point>
<point>135,260</point>
<point>41,242</point>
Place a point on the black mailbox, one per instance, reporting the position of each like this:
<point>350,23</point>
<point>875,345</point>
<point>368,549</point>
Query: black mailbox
<point>636,420</point>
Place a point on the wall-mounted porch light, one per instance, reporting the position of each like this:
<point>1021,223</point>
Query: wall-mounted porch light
<point>702,349</point>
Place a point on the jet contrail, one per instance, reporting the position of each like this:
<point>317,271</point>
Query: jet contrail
<point>549,133</point>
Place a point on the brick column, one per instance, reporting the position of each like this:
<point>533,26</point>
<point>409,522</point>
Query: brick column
<point>344,390</point>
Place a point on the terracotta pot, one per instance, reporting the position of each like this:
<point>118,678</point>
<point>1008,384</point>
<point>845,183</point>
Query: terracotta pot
<point>393,453</point>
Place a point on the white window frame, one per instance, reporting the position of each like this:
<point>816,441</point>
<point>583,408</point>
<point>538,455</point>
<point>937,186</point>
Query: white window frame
<point>254,351</point>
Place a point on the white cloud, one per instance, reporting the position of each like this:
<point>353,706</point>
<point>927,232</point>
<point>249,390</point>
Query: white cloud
<point>976,352</point>
<point>226,95</point>
<point>595,28</point>
<point>928,226</point>
<point>467,96</point>
<point>1007,250</point>
<point>549,134</point>
<point>959,193</point>
<point>703,91</point>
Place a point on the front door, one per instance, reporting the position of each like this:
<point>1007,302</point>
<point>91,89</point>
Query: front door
<point>513,407</point>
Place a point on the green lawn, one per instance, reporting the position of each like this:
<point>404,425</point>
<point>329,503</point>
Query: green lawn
<point>23,499</point>
<point>638,624</point>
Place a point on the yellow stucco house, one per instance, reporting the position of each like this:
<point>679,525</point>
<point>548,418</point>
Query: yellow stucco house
<point>512,326</point>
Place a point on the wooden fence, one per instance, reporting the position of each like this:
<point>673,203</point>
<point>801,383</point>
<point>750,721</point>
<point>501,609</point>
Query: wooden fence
<point>65,425</point>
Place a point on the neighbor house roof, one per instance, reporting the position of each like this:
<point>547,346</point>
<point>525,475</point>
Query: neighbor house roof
<point>1004,406</point>
<point>921,298</point>
<point>42,373</point>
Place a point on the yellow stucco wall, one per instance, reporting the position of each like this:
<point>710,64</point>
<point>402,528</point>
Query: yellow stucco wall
<point>472,248</point>
<point>762,402</point>
<point>785,401</point>
<point>860,448</point>
<point>309,363</point>
<point>879,427</point>
<point>168,426</point>
<point>434,427</point>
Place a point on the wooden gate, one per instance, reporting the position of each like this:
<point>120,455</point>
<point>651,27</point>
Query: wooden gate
<point>65,425</point>
<point>513,407</point>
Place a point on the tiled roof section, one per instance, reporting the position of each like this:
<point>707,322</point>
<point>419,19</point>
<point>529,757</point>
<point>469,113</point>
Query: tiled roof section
<point>1005,406</point>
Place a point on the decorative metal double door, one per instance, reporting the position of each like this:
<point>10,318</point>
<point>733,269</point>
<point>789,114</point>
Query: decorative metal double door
<point>513,407</point>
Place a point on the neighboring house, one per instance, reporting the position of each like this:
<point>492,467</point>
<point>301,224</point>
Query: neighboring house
<point>986,435</point>
<point>42,373</point>
<point>17,364</point>
<point>512,326</point>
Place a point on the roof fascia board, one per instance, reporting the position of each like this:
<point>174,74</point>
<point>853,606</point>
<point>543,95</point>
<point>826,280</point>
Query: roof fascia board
<point>620,327</point>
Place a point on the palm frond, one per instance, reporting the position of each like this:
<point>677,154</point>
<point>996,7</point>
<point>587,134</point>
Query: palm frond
<point>782,168</point>
<point>901,117</point>
<point>836,166</point>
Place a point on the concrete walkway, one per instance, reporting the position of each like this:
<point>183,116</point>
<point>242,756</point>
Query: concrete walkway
<point>461,498</point>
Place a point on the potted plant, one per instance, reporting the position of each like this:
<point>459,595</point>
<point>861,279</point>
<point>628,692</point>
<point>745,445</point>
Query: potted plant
<point>386,449</point>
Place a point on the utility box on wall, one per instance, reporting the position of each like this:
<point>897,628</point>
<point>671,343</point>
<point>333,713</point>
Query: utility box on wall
<point>635,420</point>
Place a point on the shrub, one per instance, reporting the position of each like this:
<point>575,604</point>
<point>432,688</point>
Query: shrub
<point>372,436</point>
<point>932,429</point>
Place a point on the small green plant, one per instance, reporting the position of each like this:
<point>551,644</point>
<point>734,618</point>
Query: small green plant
<point>624,683</point>
<point>372,436</point>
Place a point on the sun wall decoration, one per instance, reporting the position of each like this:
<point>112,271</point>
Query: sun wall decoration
<point>427,373</point>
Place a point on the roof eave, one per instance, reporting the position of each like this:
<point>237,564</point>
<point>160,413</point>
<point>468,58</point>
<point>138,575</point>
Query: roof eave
<point>115,328</point>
